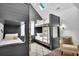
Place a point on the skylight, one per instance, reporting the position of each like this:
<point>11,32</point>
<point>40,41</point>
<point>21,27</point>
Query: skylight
<point>41,6</point>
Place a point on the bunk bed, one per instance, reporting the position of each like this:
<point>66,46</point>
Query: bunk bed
<point>44,32</point>
<point>11,43</point>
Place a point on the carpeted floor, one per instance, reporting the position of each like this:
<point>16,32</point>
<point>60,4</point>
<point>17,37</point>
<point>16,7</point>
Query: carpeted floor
<point>57,52</point>
<point>38,50</point>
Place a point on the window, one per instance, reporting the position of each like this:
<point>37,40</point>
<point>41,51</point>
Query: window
<point>22,29</point>
<point>32,27</point>
<point>41,6</point>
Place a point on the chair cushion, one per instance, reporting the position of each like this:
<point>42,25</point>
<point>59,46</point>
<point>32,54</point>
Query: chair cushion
<point>67,40</point>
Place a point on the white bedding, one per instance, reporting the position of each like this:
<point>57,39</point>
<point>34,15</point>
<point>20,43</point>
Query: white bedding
<point>8,42</point>
<point>41,39</point>
<point>38,38</point>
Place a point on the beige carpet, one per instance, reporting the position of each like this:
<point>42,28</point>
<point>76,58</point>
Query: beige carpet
<point>57,52</point>
<point>38,50</point>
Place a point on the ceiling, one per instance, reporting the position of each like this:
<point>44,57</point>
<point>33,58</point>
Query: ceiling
<point>76,4</point>
<point>59,6</point>
<point>51,8</point>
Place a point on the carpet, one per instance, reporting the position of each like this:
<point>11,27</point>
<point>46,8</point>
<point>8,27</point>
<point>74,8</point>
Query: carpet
<point>57,52</point>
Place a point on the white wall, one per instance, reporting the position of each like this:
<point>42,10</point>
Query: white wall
<point>70,18</point>
<point>68,14</point>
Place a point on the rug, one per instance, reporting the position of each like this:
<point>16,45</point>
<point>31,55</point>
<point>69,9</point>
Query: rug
<point>57,52</point>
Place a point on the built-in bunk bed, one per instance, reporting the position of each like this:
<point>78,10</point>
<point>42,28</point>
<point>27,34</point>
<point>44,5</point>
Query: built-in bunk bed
<point>12,40</point>
<point>47,32</point>
<point>42,34</point>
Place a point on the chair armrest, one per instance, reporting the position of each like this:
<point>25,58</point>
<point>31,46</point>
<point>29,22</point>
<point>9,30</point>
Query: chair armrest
<point>70,46</point>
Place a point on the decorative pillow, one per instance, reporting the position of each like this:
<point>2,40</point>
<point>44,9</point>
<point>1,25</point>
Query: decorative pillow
<point>11,36</point>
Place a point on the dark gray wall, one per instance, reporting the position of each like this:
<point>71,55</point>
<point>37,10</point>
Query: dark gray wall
<point>13,50</point>
<point>54,21</point>
<point>13,11</point>
<point>9,29</point>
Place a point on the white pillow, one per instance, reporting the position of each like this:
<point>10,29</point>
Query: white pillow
<point>11,36</point>
<point>16,34</point>
<point>39,34</point>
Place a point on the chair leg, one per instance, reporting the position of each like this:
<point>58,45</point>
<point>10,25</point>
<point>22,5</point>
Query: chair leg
<point>61,53</point>
<point>77,54</point>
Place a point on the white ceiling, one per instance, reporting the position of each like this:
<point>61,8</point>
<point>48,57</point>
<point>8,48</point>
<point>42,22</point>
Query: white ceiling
<point>77,5</point>
<point>60,6</point>
<point>52,8</point>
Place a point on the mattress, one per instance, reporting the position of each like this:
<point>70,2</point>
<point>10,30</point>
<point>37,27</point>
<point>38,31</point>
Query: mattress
<point>41,39</point>
<point>9,42</point>
<point>38,38</point>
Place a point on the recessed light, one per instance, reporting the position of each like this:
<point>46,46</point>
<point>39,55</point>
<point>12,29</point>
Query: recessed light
<point>57,8</point>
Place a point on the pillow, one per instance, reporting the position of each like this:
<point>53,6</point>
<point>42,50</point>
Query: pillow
<point>16,34</point>
<point>11,36</point>
<point>39,34</point>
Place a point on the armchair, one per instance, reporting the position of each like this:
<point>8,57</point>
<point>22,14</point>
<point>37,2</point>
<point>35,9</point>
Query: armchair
<point>66,42</point>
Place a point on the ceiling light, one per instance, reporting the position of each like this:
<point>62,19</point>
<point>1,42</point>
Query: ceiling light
<point>57,8</point>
